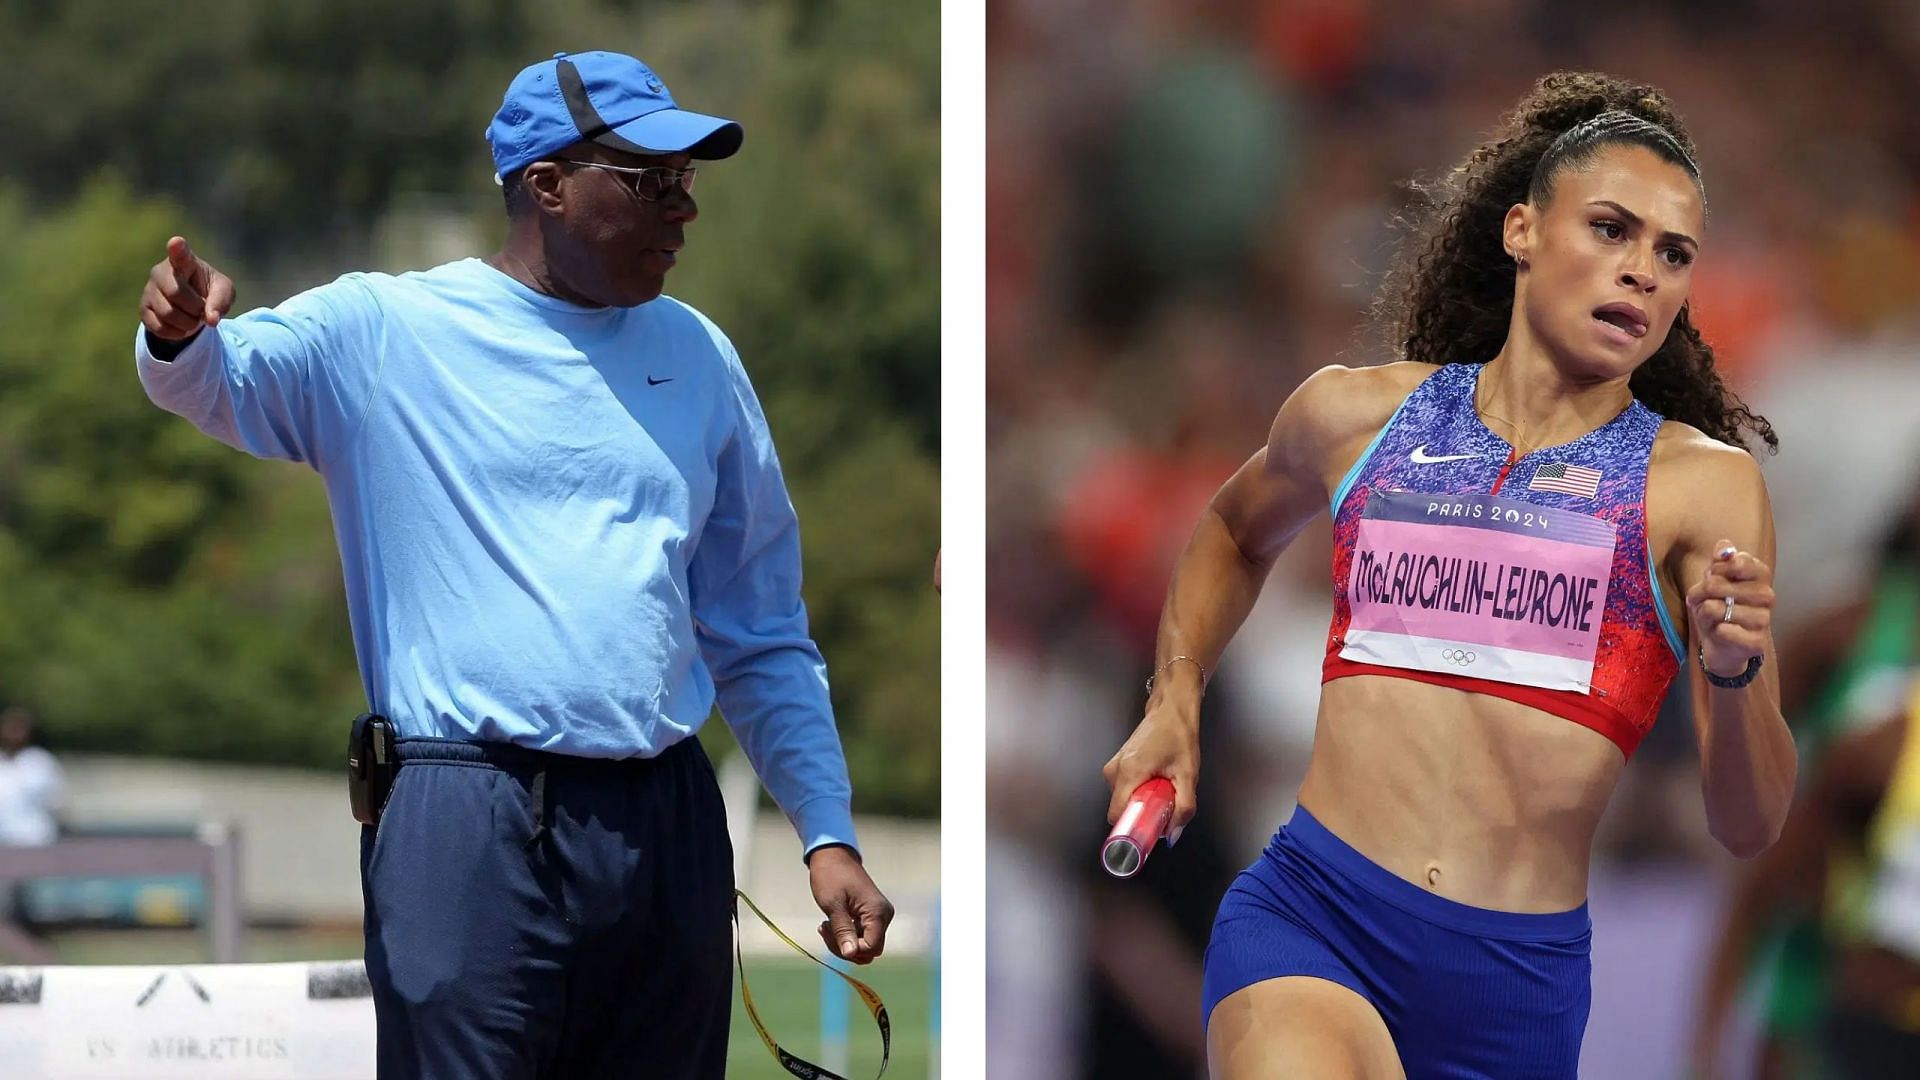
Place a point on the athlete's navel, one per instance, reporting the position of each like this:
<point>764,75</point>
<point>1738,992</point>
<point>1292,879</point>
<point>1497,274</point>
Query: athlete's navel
<point>1433,876</point>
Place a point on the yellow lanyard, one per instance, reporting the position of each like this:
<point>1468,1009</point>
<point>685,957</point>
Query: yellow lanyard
<point>795,1064</point>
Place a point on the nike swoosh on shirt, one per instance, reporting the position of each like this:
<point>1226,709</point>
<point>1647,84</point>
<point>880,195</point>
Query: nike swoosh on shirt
<point>1420,456</point>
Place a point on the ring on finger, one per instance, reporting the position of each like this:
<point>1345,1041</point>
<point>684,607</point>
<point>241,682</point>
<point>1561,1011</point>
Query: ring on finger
<point>1727,615</point>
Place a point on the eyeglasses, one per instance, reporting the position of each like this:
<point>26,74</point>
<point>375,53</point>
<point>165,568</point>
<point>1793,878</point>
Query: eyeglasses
<point>650,184</point>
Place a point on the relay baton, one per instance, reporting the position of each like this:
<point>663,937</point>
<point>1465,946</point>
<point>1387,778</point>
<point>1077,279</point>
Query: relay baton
<point>1141,826</point>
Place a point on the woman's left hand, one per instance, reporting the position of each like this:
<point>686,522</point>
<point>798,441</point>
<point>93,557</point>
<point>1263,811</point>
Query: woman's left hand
<point>1740,578</point>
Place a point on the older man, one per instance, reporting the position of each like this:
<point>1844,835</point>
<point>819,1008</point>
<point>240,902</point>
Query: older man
<point>565,535</point>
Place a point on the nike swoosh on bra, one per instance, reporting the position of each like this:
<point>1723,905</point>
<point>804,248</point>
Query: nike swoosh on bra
<point>1420,457</point>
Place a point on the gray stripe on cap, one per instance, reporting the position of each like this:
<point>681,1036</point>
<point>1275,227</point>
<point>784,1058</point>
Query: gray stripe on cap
<point>586,118</point>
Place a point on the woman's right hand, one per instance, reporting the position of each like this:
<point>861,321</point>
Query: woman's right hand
<point>1166,743</point>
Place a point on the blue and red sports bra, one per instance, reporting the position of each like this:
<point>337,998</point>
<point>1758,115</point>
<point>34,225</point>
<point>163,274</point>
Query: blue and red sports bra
<point>1458,563</point>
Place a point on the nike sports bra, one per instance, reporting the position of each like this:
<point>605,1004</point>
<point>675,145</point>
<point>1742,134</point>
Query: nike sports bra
<point>1529,578</point>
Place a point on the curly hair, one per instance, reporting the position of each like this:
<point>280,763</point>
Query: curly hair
<point>1448,296</point>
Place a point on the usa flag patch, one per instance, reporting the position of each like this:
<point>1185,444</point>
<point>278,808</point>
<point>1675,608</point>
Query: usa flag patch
<point>1566,479</point>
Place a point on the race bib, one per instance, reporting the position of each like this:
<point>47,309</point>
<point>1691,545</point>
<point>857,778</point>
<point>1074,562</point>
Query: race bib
<point>1479,585</point>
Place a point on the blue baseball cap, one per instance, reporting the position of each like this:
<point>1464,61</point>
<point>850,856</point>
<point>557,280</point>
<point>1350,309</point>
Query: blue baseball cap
<point>603,97</point>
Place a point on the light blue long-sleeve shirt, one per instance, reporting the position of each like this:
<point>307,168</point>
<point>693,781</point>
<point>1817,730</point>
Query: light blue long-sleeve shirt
<point>561,527</point>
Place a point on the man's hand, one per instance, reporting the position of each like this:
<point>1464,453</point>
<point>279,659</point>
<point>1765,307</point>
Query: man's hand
<point>183,294</point>
<point>857,915</point>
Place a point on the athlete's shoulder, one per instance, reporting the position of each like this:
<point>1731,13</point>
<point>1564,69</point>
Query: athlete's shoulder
<point>1707,488</point>
<point>1335,411</point>
<point>1337,401</point>
<point>1685,455</point>
<point>1395,379</point>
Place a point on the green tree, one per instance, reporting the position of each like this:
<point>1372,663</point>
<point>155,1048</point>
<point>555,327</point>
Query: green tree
<point>163,593</point>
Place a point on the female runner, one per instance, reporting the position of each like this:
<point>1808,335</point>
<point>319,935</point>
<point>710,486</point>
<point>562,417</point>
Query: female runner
<point>1541,514</point>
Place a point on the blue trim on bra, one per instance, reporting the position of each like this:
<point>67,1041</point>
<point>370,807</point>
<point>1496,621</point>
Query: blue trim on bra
<point>1346,482</point>
<point>1660,609</point>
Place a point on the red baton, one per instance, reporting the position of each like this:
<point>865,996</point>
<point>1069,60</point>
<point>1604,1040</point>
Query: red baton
<point>1141,825</point>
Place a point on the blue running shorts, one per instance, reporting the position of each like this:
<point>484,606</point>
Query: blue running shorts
<point>1465,991</point>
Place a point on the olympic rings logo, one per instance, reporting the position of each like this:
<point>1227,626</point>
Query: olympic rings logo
<point>1459,657</point>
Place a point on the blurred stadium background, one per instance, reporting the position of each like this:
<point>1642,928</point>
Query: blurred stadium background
<point>1188,209</point>
<point>172,612</point>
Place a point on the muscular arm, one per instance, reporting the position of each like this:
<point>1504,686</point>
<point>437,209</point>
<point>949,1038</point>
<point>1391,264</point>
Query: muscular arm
<point>1258,513</point>
<point>1322,428</point>
<point>1225,563</point>
<point>1747,756</point>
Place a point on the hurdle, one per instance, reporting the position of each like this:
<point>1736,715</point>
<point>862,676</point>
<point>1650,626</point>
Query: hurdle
<point>288,1021</point>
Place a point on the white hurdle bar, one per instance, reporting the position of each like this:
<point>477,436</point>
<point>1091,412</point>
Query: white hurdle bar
<point>297,1021</point>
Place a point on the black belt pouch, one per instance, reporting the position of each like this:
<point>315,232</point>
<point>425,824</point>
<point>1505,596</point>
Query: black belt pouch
<point>371,764</point>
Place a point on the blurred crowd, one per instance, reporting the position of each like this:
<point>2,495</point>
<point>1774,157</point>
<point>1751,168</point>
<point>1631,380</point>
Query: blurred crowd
<point>1189,210</point>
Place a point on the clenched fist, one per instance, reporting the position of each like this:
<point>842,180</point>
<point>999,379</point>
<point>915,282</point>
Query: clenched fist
<point>1731,609</point>
<point>183,294</point>
<point>857,915</point>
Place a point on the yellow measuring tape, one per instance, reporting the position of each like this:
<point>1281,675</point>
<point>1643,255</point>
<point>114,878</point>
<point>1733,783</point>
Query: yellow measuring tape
<point>793,1063</point>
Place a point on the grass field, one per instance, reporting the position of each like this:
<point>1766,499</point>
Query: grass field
<point>785,989</point>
